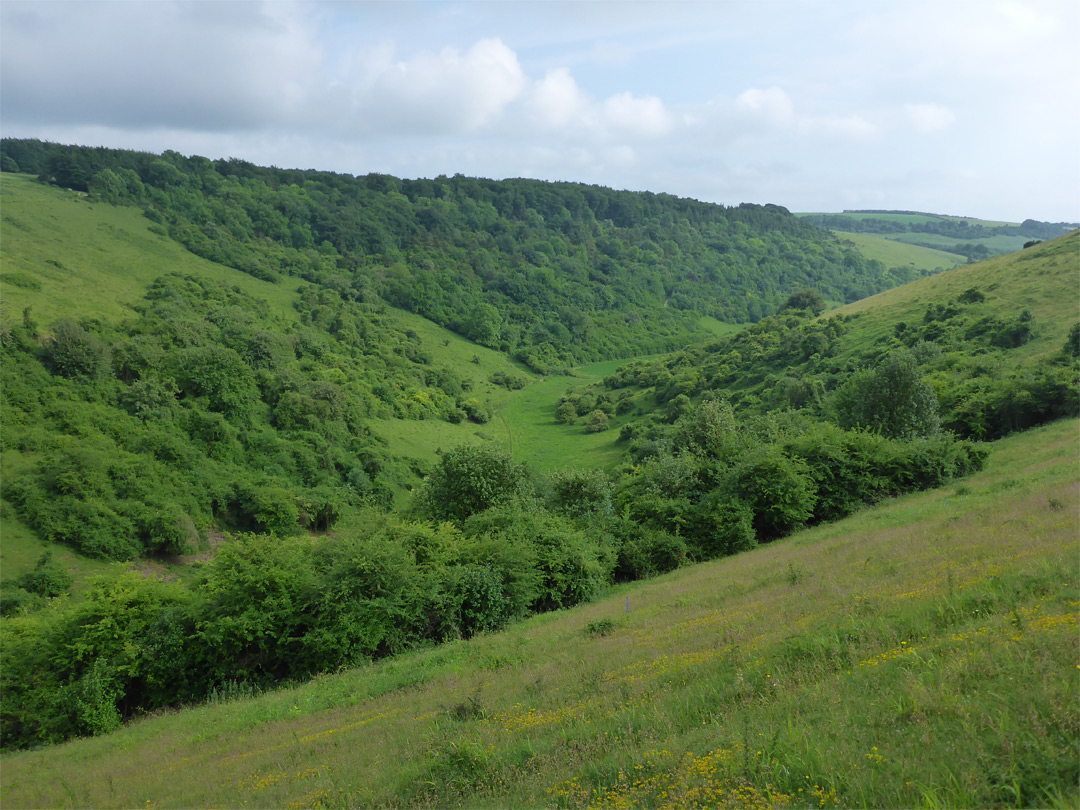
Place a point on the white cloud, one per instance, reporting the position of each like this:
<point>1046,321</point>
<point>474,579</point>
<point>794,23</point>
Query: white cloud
<point>193,66</point>
<point>771,106</point>
<point>638,116</point>
<point>447,91</point>
<point>929,118</point>
<point>851,127</point>
<point>556,101</point>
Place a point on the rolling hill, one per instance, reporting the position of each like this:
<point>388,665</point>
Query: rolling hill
<point>926,236</point>
<point>179,372</point>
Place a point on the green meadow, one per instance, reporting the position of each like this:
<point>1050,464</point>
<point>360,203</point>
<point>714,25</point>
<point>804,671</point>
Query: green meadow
<point>1043,280</point>
<point>921,653</point>
<point>65,256</point>
<point>893,253</point>
<point>995,244</point>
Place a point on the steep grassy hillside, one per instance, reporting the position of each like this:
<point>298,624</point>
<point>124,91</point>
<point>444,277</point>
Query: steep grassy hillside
<point>922,653</point>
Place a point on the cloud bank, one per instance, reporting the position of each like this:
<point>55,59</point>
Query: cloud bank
<point>823,106</point>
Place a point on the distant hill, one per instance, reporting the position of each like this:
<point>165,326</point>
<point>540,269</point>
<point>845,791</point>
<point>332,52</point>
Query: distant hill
<point>555,274</point>
<point>972,238</point>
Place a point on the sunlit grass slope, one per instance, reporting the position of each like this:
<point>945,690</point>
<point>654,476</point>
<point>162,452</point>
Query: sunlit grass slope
<point>923,653</point>
<point>892,253</point>
<point>66,257</point>
<point>1044,279</point>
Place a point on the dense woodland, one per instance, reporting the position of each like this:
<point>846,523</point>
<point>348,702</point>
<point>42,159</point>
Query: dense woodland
<point>552,273</point>
<point>204,412</point>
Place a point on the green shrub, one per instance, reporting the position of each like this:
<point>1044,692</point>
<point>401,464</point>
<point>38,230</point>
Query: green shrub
<point>644,552</point>
<point>571,566</point>
<point>892,400</point>
<point>470,479</point>
<point>580,493</point>
<point>778,489</point>
<point>48,577</point>
<point>75,352</point>
<point>720,525</point>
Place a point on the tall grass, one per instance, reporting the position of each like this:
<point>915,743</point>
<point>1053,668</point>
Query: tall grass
<point>922,653</point>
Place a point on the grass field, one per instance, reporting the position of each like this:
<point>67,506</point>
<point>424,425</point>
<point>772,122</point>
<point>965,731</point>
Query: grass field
<point>995,244</point>
<point>922,653</point>
<point>69,258</point>
<point>1010,285</point>
<point>536,439</point>
<point>892,253</point>
<point>917,219</point>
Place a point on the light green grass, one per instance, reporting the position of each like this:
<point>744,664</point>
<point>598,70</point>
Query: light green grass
<point>922,653</point>
<point>905,218</point>
<point>95,260</point>
<point>543,444</point>
<point>1043,279</point>
<point>21,548</point>
<point>892,253</point>
<point>995,244</point>
<point>717,328</point>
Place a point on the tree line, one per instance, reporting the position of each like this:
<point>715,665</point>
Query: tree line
<point>554,274</point>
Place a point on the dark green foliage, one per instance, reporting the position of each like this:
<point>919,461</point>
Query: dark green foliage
<point>470,479</point>
<point>580,494</point>
<point>720,525</point>
<point>75,352</point>
<point>572,565</point>
<point>1072,343</point>
<point>644,552</point>
<point>48,578</point>
<point>805,299</point>
<point>778,490</point>
<point>555,274</point>
<point>892,400</point>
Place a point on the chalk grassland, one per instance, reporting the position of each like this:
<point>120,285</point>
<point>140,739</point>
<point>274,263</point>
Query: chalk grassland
<point>66,257</point>
<point>913,219</point>
<point>892,253</point>
<point>996,244</point>
<point>536,439</point>
<point>922,653</point>
<point>1044,279</point>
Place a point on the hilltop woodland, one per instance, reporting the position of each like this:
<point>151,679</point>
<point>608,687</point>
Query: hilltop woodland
<point>206,409</point>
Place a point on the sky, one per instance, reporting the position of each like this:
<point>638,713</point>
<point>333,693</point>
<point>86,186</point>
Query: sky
<point>957,107</point>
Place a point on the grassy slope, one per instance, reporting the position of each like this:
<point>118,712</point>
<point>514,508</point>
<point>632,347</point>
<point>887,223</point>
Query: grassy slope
<point>1043,279</point>
<point>892,253</point>
<point>535,438</point>
<point>920,653</point>
<point>996,244</point>
<point>107,255</point>
<point>545,445</point>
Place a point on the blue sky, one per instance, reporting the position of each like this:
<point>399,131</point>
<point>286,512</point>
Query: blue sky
<point>950,106</point>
